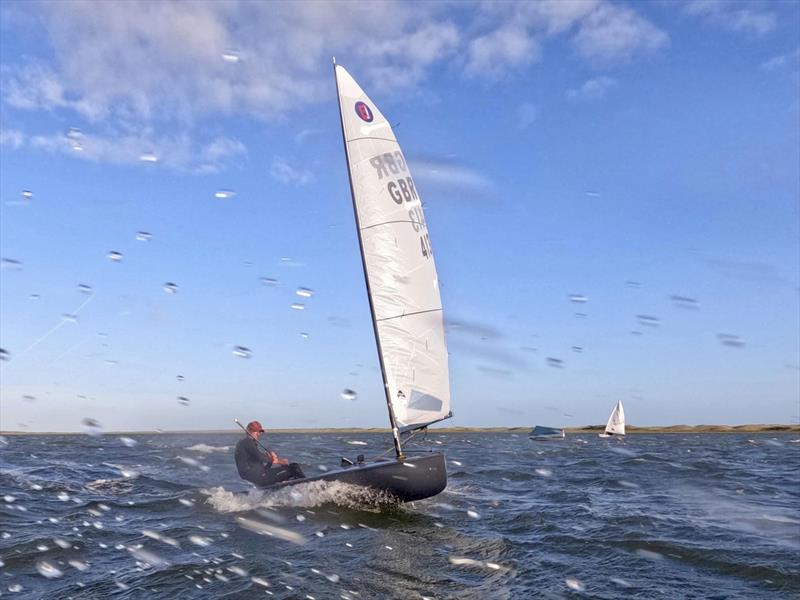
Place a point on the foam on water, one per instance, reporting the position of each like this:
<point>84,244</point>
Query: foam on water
<point>206,449</point>
<point>302,495</point>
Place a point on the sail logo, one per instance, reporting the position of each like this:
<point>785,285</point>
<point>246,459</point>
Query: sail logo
<point>364,112</point>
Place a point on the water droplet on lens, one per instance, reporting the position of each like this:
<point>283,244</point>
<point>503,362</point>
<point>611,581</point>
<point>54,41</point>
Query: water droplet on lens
<point>348,394</point>
<point>268,281</point>
<point>70,318</point>
<point>10,264</point>
<point>231,57</point>
<point>143,236</point>
<point>15,588</point>
<point>575,584</point>
<point>183,400</point>
<point>304,335</point>
<point>84,289</point>
<point>648,320</point>
<point>27,195</point>
<point>48,570</point>
<point>242,352</point>
<point>114,256</point>
<point>199,540</point>
<point>544,472</point>
<point>129,442</point>
<point>684,301</point>
<point>224,194</point>
<point>92,427</point>
<point>555,362</point>
<point>578,298</point>
<point>298,306</point>
<point>730,340</point>
<point>148,157</point>
<point>5,354</point>
<point>304,292</point>
<point>473,515</point>
<point>78,564</point>
<point>179,377</point>
<point>29,398</point>
<point>171,288</point>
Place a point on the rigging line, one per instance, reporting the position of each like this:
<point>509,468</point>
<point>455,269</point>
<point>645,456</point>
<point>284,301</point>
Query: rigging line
<point>411,314</point>
<point>51,331</point>
<point>405,441</point>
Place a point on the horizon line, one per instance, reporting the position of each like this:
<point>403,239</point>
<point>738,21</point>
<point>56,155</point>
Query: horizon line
<point>681,428</point>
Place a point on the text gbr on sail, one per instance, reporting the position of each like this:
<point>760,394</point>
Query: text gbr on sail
<point>402,190</point>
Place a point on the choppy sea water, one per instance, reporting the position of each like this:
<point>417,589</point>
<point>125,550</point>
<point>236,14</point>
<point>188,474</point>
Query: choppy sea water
<point>654,516</point>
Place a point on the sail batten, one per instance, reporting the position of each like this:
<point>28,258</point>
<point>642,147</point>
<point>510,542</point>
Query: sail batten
<point>398,264</point>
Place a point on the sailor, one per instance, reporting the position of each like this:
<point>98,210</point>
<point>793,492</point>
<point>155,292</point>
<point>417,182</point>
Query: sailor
<point>260,465</point>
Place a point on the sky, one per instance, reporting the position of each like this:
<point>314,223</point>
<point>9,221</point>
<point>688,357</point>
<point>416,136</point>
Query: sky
<point>611,191</point>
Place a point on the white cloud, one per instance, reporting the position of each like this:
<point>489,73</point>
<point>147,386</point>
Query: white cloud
<point>780,61</point>
<point>128,67</point>
<point>593,89</point>
<point>179,152</point>
<point>615,33</point>
<point>125,68</point>
<point>602,33</point>
<point>738,17</point>
<point>288,174</point>
<point>508,47</point>
<point>165,60</point>
<point>11,138</point>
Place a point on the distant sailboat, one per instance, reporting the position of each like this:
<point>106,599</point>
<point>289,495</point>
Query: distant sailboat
<point>616,423</point>
<point>542,433</point>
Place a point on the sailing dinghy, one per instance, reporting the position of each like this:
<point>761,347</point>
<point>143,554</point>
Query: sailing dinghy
<point>403,291</point>
<point>616,423</point>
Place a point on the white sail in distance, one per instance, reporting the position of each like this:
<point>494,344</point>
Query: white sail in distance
<point>398,263</point>
<point>616,422</point>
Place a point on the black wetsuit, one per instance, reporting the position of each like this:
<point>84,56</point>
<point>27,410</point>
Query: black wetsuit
<point>256,466</point>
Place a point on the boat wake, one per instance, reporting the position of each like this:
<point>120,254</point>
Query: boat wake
<point>302,495</point>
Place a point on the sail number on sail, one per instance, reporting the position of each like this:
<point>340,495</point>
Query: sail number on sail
<point>401,189</point>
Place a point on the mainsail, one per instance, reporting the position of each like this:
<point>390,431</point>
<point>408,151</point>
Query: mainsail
<point>616,422</point>
<point>398,264</point>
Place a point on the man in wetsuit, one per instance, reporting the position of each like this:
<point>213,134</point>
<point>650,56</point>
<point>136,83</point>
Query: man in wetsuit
<point>260,465</point>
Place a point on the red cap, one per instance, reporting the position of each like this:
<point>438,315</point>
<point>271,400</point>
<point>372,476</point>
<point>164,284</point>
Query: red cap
<point>255,426</point>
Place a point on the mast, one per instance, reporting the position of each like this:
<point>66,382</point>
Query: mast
<point>395,433</point>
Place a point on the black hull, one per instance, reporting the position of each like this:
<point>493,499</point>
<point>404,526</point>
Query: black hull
<point>413,478</point>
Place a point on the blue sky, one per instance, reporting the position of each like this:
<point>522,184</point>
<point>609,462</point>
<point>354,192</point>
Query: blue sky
<point>630,153</point>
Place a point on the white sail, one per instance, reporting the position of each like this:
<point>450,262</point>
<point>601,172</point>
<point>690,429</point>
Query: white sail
<point>398,262</point>
<point>616,422</point>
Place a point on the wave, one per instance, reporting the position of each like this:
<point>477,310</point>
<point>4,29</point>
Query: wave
<point>206,449</point>
<point>301,495</point>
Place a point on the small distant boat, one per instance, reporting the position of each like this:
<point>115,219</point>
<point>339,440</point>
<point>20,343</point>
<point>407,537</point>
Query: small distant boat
<point>616,423</point>
<point>541,433</point>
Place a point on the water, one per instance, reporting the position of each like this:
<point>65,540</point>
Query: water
<point>655,516</point>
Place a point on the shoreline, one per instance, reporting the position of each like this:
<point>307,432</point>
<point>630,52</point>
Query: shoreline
<point>631,429</point>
